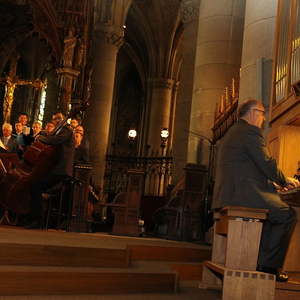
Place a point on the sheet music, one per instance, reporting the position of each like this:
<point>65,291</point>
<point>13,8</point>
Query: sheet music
<point>3,170</point>
<point>2,145</point>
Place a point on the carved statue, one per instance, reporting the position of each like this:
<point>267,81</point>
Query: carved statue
<point>106,11</point>
<point>69,46</point>
<point>80,52</point>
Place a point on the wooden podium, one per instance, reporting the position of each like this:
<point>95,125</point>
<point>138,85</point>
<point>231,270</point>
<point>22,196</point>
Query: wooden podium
<point>126,206</point>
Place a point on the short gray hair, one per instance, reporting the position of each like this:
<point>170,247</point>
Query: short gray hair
<point>245,107</point>
<point>7,125</point>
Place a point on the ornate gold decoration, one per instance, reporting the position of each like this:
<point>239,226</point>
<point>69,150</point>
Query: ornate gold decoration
<point>11,82</point>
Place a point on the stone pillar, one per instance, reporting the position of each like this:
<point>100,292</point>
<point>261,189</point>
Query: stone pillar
<point>98,118</point>
<point>110,17</point>
<point>190,18</point>
<point>259,33</point>
<point>162,91</point>
<point>218,56</point>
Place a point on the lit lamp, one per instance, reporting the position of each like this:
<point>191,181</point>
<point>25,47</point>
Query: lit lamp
<point>164,134</point>
<point>132,135</point>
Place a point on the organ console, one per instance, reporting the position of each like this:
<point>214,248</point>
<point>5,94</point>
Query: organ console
<point>291,197</point>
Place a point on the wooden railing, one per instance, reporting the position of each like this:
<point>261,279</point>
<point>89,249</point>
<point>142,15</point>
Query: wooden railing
<point>157,170</point>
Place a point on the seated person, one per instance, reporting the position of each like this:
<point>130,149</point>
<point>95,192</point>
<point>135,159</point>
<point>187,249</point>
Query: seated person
<point>27,131</point>
<point>8,140</point>
<point>49,128</point>
<point>85,142</point>
<point>36,129</point>
<point>74,123</point>
<point>244,177</point>
<point>20,138</point>
<point>63,140</point>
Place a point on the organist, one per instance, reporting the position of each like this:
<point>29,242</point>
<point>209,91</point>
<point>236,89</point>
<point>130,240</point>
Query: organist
<point>245,174</point>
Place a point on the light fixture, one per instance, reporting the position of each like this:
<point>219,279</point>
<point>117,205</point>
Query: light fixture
<point>164,134</point>
<point>132,133</point>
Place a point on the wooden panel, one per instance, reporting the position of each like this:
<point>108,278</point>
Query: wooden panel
<point>76,283</point>
<point>43,255</point>
<point>239,285</point>
<point>219,248</point>
<point>289,151</point>
<point>292,261</point>
<point>140,252</point>
<point>243,241</point>
<point>188,271</point>
<point>221,225</point>
<point>210,280</point>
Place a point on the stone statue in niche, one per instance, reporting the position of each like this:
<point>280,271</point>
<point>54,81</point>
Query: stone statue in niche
<point>106,11</point>
<point>69,46</point>
<point>80,53</point>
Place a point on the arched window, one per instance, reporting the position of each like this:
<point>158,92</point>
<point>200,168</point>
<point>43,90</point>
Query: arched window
<point>42,103</point>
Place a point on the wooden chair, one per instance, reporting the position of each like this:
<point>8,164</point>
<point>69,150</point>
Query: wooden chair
<point>237,234</point>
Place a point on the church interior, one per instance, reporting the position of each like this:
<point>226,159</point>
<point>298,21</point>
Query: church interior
<point>148,90</point>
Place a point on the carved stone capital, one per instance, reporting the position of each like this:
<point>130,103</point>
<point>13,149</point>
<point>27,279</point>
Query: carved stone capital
<point>189,10</point>
<point>110,36</point>
<point>162,83</point>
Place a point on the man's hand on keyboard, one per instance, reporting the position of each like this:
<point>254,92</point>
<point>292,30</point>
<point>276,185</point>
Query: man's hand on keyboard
<point>292,183</point>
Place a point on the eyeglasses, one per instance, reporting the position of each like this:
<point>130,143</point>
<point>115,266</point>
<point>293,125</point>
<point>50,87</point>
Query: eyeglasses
<point>257,109</point>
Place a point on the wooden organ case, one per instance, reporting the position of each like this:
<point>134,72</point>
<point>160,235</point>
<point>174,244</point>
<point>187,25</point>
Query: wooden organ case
<point>284,134</point>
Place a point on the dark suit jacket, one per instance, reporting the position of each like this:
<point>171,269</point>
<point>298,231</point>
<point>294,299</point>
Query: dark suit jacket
<point>81,155</point>
<point>12,145</point>
<point>65,143</point>
<point>245,171</point>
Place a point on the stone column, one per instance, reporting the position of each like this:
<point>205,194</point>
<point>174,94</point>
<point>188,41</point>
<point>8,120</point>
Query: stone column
<point>218,56</point>
<point>106,45</point>
<point>259,33</point>
<point>162,90</point>
<point>110,16</point>
<point>190,18</point>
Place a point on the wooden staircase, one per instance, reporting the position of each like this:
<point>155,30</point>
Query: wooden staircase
<point>41,269</point>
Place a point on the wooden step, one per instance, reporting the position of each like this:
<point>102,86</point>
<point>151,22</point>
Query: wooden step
<point>79,282</point>
<point>287,290</point>
<point>188,271</point>
<point>49,255</point>
<point>157,253</point>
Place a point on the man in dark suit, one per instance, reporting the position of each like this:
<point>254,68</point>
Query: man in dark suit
<point>62,138</point>
<point>8,140</point>
<point>245,176</point>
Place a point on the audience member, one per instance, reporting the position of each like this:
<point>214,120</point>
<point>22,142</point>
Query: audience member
<point>27,131</point>
<point>19,134</point>
<point>81,154</point>
<point>36,128</point>
<point>8,140</point>
<point>74,123</point>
